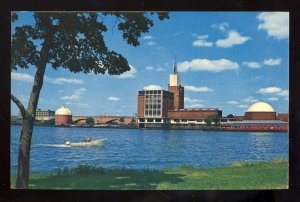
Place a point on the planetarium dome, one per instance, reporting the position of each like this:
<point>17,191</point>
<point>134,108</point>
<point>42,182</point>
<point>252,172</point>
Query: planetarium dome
<point>63,111</point>
<point>260,107</point>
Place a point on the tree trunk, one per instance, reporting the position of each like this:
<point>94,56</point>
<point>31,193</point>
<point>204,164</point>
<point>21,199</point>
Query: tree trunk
<point>28,121</point>
<point>24,154</point>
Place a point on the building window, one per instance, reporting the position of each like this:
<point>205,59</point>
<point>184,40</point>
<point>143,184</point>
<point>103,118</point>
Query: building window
<point>150,120</point>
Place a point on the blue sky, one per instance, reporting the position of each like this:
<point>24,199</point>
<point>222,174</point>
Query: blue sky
<point>228,60</point>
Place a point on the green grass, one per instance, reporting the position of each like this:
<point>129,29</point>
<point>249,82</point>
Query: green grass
<point>240,175</point>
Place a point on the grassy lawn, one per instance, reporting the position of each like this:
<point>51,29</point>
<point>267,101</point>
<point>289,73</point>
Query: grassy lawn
<point>257,175</point>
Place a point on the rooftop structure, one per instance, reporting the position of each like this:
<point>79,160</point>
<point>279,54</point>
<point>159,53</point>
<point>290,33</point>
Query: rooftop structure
<point>260,107</point>
<point>63,111</point>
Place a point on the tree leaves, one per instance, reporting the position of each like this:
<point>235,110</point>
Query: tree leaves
<point>76,41</point>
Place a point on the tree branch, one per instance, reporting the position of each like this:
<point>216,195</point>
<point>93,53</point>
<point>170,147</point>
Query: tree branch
<point>19,104</point>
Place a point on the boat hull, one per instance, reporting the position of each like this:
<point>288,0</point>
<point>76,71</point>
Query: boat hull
<point>88,144</point>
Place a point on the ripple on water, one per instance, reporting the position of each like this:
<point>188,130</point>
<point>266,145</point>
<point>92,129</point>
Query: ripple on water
<point>155,149</point>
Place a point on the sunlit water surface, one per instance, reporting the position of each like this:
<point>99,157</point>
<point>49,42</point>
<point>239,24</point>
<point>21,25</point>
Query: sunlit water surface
<point>154,149</point>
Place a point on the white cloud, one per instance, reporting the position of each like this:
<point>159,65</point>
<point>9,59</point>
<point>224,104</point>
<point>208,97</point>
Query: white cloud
<point>195,106</point>
<point>148,37</point>
<point>75,96</point>
<point>22,77</point>
<point>284,93</point>
<point>113,98</point>
<point>201,42</point>
<point>250,99</point>
<point>152,87</point>
<point>243,106</point>
<point>223,26</point>
<point>150,43</point>
<point>129,74</point>
<point>272,62</point>
<point>273,99</point>
<point>234,38</point>
<point>253,65</point>
<point>207,65</point>
<point>233,102</point>
<point>275,23</point>
<point>189,100</point>
<point>80,91</point>
<point>198,89</point>
<point>71,97</point>
<point>62,80</point>
<point>83,105</point>
<point>159,69</point>
<point>149,68</point>
<point>274,91</point>
<point>269,90</point>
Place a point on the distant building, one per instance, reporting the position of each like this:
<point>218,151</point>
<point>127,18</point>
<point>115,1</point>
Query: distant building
<point>193,116</point>
<point>175,87</point>
<point>44,115</point>
<point>63,116</point>
<point>153,106</point>
<point>259,117</point>
<point>157,107</point>
<point>260,111</point>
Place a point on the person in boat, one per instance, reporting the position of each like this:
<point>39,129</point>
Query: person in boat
<point>88,139</point>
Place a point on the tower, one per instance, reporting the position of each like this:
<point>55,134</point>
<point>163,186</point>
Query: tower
<point>175,87</point>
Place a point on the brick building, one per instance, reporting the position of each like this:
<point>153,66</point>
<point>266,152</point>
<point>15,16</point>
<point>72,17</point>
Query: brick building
<point>157,107</point>
<point>63,116</point>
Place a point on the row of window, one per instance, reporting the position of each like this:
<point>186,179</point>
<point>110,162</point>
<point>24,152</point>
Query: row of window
<point>152,113</point>
<point>152,120</point>
<point>149,92</point>
<point>152,106</point>
<point>44,113</point>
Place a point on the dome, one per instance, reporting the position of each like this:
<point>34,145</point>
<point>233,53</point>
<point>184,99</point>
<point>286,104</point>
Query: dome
<point>260,107</point>
<point>63,111</point>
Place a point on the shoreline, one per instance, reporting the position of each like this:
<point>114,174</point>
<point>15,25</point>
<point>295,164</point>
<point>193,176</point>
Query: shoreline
<point>154,128</point>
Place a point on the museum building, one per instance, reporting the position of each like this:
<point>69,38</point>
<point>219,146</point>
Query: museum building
<point>157,107</point>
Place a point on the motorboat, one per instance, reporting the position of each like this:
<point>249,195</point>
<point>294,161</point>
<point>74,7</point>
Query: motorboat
<point>86,144</point>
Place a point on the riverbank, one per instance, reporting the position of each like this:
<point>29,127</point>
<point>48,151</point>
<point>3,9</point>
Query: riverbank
<point>240,176</point>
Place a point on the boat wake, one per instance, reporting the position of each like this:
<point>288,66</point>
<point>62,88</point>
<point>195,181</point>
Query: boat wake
<point>51,145</point>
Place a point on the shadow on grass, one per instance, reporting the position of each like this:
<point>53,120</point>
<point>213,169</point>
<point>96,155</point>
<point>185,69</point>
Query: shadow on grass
<point>87,177</point>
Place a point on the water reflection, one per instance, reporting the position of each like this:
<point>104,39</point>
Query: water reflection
<point>154,149</point>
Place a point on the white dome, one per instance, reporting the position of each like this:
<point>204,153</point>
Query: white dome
<point>260,107</point>
<point>63,111</point>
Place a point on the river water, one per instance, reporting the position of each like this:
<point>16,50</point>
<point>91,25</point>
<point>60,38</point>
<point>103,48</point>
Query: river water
<point>154,149</point>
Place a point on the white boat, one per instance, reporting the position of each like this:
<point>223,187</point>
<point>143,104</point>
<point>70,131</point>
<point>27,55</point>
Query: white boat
<point>86,144</point>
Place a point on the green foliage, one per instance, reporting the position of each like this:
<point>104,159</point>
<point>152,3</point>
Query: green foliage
<point>230,116</point>
<point>74,40</point>
<point>244,175</point>
<point>122,119</point>
<point>90,120</point>
<point>208,121</point>
<point>213,119</point>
